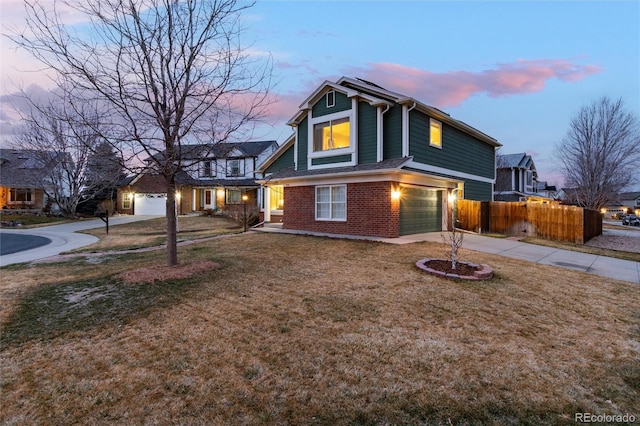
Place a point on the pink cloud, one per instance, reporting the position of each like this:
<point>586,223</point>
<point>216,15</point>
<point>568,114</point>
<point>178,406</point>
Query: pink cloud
<point>454,87</point>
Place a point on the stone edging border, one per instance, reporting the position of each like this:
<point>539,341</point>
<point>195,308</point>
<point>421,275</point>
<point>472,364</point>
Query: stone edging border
<point>485,272</point>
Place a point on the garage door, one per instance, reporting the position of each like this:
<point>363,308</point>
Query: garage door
<point>150,204</point>
<point>420,211</point>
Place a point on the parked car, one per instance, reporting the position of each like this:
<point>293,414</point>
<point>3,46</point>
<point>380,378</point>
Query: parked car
<point>617,216</point>
<point>632,220</point>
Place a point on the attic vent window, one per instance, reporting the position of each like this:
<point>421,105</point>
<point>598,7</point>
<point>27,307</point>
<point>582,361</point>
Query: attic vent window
<point>331,99</point>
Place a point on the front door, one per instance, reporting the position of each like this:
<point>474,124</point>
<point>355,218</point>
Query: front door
<point>209,201</point>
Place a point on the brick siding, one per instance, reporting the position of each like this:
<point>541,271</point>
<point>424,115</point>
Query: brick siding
<point>370,211</point>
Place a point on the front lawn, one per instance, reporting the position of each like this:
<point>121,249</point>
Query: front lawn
<point>152,232</point>
<point>301,330</point>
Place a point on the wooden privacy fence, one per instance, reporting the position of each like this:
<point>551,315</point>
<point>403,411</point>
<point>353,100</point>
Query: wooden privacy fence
<point>553,222</point>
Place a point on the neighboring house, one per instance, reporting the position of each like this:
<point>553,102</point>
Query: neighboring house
<point>546,191</point>
<point>517,179</point>
<point>368,161</point>
<point>631,200</point>
<point>215,178</point>
<point>22,174</point>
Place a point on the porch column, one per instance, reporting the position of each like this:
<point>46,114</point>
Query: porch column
<point>267,203</point>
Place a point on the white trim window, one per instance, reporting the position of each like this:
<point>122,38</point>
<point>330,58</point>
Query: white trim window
<point>435,133</point>
<point>234,168</point>
<point>332,134</point>
<point>208,168</point>
<point>529,181</point>
<point>331,99</point>
<point>331,202</point>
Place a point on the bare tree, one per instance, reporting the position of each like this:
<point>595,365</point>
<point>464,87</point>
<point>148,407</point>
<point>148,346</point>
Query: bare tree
<point>62,148</point>
<point>167,73</point>
<point>600,155</point>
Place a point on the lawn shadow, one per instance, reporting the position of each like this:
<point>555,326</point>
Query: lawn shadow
<point>52,310</point>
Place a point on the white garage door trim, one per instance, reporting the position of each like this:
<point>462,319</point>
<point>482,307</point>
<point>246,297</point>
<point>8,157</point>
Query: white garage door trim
<point>150,204</point>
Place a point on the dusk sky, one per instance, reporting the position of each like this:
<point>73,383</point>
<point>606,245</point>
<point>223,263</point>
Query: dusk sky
<point>518,71</point>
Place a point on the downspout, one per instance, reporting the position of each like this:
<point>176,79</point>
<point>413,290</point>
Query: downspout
<point>381,114</point>
<point>405,130</point>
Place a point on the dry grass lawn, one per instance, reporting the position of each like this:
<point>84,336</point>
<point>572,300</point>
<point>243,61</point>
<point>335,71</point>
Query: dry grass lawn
<point>296,330</point>
<point>152,232</point>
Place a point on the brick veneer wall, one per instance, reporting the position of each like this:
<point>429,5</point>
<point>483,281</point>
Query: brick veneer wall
<point>370,211</point>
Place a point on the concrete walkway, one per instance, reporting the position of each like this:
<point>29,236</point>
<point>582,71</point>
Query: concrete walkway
<point>624,270</point>
<point>64,237</point>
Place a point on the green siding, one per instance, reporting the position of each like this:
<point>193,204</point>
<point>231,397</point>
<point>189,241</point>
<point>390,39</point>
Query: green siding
<point>392,145</point>
<point>284,161</point>
<point>342,103</point>
<point>473,189</point>
<point>331,160</point>
<point>367,134</point>
<point>420,211</point>
<point>303,144</point>
<point>460,152</point>
<point>479,191</point>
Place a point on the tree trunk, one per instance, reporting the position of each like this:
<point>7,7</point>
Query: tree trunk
<point>172,229</point>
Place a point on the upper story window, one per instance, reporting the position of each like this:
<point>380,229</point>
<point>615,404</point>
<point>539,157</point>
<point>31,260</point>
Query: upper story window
<point>332,134</point>
<point>331,99</point>
<point>208,169</point>
<point>529,180</point>
<point>435,133</point>
<point>234,167</point>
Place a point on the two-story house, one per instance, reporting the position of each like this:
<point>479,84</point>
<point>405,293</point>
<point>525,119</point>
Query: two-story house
<point>214,177</point>
<point>516,178</point>
<point>367,161</point>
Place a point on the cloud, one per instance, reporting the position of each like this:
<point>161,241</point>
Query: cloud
<point>454,87</point>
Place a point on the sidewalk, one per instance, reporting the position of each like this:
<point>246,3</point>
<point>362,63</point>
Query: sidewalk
<point>624,270</point>
<point>64,237</point>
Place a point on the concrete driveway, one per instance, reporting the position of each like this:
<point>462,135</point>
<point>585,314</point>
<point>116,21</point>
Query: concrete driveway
<point>64,237</point>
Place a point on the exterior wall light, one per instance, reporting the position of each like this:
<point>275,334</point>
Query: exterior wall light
<point>395,194</point>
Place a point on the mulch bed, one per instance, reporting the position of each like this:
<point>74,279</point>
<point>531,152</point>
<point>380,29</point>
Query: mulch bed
<point>464,270</point>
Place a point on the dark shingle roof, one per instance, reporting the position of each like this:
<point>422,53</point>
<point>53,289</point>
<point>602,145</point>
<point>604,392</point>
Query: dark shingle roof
<point>289,172</point>
<point>520,160</point>
<point>223,150</point>
<point>23,167</point>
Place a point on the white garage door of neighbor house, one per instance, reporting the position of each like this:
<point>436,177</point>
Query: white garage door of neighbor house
<point>150,204</point>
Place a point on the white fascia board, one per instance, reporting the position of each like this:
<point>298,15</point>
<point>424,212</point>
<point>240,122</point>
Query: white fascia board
<point>434,169</point>
<point>446,118</point>
<point>350,93</point>
<point>277,153</point>
<point>393,175</point>
<point>315,95</point>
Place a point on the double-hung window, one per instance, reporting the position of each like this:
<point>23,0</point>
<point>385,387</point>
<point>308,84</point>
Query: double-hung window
<point>332,134</point>
<point>331,202</point>
<point>435,133</point>
<point>207,169</point>
<point>234,167</point>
